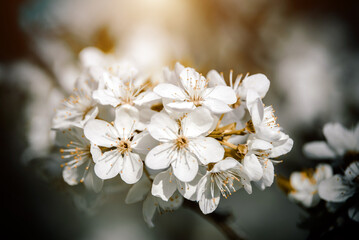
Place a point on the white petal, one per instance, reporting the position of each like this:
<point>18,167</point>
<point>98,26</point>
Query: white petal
<point>181,106</point>
<point>216,106</point>
<point>101,133</point>
<point>208,200</point>
<point>197,122</point>
<point>352,171</point>
<point>91,56</point>
<point>162,127</point>
<point>149,209</point>
<point>146,98</point>
<point>215,79</point>
<point>339,137</point>
<point>185,167</point>
<point>257,82</point>
<point>258,144</point>
<point>173,203</point>
<point>164,185</point>
<point>109,165</point>
<point>300,182</point>
<point>255,107</point>
<point>143,142</point>
<point>307,199</point>
<point>93,182</point>
<point>132,168</point>
<point>335,189</point>
<point>159,157</point>
<point>92,114</point>
<point>323,171</point>
<point>268,173</point>
<point>319,150</point>
<point>223,93</point>
<point>171,91</point>
<point>95,152</point>
<point>191,79</point>
<point>206,149</point>
<point>281,147</point>
<point>106,97</point>
<point>126,121</point>
<point>225,164</point>
<point>189,189</point>
<point>253,167</point>
<point>138,191</point>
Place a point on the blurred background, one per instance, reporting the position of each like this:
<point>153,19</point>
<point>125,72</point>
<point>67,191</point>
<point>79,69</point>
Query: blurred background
<point>308,49</point>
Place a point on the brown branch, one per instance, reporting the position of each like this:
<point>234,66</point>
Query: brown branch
<point>219,220</point>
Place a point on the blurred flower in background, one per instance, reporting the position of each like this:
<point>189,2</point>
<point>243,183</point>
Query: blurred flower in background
<point>308,50</point>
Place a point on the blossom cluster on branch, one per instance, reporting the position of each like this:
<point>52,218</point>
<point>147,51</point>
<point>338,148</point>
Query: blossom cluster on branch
<point>334,181</point>
<point>183,136</point>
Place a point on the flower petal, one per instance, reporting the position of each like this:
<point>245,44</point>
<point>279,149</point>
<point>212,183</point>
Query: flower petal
<point>109,165</point>
<point>255,107</point>
<point>223,93</point>
<point>173,203</point>
<point>164,185</point>
<point>216,106</point>
<point>185,167</point>
<point>106,97</point>
<point>224,165</point>
<point>93,182</point>
<point>339,138</point>
<point>281,147</point>
<point>189,189</point>
<point>206,149</point>
<point>335,189</point>
<point>138,191</point>
<point>352,171</point>
<point>159,157</point>
<point>132,168</point>
<point>162,127</point>
<point>101,133</point>
<point>207,197</point>
<point>197,122</point>
<point>126,121</point>
<point>322,171</point>
<point>253,167</point>
<point>171,91</point>
<point>182,106</point>
<point>257,82</point>
<point>146,98</point>
<point>268,175</point>
<point>215,79</point>
<point>149,209</point>
<point>143,142</point>
<point>319,150</point>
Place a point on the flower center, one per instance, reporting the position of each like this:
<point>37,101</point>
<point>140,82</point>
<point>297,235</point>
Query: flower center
<point>181,142</point>
<point>124,146</point>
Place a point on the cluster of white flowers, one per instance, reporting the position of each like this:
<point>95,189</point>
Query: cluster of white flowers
<point>342,149</point>
<point>183,136</point>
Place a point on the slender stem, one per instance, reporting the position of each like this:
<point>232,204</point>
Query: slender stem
<point>219,220</point>
<point>228,144</point>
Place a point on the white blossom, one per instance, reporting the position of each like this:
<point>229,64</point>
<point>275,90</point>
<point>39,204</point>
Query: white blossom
<point>124,145</point>
<point>142,191</point>
<point>165,184</point>
<point>183,143</point>
<point>339,188</point>
<point>79,108</point>
<point>225,177</point>
<point>193,91</point>
<point>122,86</point>
<point>305,185</point>
<point>77,152</point>
<point>339,141</point>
